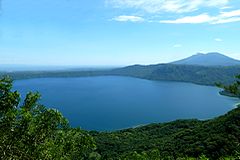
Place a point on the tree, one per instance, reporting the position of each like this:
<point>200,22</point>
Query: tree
<point>32,131</point>
<point>232,89</point>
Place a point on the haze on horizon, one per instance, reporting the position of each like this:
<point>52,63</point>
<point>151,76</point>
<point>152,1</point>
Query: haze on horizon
<point>116,32</point>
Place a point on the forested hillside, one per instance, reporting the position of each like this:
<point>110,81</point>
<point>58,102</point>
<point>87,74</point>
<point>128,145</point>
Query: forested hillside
<point>167,72</point>
<point>217,138</point>
<point>206,75</point>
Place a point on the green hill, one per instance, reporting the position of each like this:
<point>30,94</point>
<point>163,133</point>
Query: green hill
<point>216,138</point>
<point>204,75</point>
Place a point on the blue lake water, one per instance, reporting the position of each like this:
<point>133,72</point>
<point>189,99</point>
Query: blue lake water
<point>112,102</point>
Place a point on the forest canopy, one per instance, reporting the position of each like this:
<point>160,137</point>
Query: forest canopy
<point>32,131</point>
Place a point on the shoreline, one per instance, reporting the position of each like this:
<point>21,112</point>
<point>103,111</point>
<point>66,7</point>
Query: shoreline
<point>225,93</point>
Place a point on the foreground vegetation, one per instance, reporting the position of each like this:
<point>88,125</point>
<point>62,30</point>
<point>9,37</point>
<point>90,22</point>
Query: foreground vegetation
<point>215,139</point>
<point>31,131</point>
<point>28,130</point>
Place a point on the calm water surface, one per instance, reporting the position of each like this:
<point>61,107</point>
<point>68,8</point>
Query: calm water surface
<point>111,102</point>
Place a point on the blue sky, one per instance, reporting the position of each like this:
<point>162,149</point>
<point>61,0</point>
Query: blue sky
<point>116,32</point>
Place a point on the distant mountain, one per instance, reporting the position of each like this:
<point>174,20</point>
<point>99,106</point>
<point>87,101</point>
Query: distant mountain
<point>209,59</point>
<point>205,75</point>
<point>204,69</point>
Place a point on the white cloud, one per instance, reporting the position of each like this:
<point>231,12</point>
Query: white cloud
<point>177,46</point>
<point>178,6</point>
<point>202,18</point>
<point>227,20</point>
<point>218,39</point>
<point>175,6</point>
<point>230,13</point>
<point>226,7</point>
<point>227,17</point>
<point>223,17</point>
<point>125,18</point>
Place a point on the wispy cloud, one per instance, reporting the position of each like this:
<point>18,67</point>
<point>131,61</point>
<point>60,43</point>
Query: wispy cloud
<point>177,46</point>
<point>227,17</point>
<point>125,18</point>
<point>202,18</point>
<point>218,39</point>
<point>175,6</point>
<point>223,17</point>
<point>156,7</point>
<point>226,7</point>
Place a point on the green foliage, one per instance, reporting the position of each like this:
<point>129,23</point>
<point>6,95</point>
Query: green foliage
<point>206,75</point>
<point>214,139</point>
<point>31,131</point>
<point>233,89</point>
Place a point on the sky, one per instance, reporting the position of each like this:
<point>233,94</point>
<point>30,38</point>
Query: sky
<point>116,32</point>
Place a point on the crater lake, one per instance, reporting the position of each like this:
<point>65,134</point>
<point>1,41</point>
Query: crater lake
<point>108,103</point>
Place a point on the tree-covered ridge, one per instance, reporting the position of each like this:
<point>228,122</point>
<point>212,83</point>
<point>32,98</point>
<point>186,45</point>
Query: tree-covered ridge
<point>232,89</point>
<point>204,75</point>
<point>216,138</point>
<point>31,131</point>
